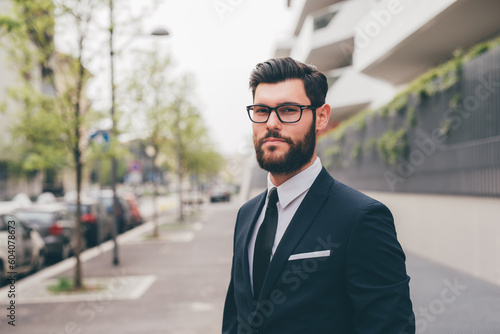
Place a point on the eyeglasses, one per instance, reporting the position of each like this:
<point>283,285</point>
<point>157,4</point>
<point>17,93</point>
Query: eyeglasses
<point>287,113</point>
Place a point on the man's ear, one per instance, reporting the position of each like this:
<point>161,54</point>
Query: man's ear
<point>322,117</point>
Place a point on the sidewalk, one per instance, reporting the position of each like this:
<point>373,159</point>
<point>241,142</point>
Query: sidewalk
<point>177,285</point>
<point>446,301</point>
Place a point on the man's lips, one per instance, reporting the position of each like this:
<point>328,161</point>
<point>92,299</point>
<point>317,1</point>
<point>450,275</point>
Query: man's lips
<point>274,140</point>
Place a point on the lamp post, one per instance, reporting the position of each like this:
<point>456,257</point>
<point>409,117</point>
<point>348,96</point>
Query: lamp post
<point>152,153</point>
<point>156,32</point>
<point>116,260</point>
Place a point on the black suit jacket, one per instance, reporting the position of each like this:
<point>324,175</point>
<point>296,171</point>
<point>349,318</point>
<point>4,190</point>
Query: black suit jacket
<point>350,276</point>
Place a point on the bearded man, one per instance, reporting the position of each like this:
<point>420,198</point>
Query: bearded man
<point>310,255</point>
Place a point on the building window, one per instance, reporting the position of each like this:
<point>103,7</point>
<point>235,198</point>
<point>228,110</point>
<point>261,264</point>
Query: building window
<point>324,20</point>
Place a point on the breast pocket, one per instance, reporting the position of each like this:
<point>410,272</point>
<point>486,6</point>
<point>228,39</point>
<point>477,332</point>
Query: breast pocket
<point>306,269</point>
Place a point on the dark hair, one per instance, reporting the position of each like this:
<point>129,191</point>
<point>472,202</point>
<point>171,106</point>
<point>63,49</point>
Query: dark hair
<point>281,69</point>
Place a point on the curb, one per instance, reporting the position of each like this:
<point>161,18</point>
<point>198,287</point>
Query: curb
<point>85,256</point>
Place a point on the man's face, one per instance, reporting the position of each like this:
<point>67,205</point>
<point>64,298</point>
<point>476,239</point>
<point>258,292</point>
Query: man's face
<point>284,148</point>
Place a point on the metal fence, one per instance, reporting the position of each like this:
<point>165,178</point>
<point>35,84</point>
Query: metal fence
<point>454,148</point>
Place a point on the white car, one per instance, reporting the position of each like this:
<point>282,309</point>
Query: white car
<point>22,249</point>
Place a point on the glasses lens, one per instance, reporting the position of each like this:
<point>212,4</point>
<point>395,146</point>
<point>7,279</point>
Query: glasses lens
<point>258,113</point>
<point>289,113</point>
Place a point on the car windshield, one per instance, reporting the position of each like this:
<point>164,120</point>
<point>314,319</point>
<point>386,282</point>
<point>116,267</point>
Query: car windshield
<point>107,202</point>
<point>37,216</point>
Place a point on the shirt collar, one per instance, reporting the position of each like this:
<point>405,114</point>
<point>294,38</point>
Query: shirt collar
<point>297,185</point>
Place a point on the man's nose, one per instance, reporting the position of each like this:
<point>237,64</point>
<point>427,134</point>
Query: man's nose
<point>273,123</point>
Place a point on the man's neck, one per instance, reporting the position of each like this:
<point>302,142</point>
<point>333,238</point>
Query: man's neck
<point>279,179</point>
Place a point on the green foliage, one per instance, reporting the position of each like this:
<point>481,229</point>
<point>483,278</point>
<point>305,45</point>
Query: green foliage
<point>31,21</point>
<point>455,101</point>
<point>392,145</point>
<point>9,24</point>
<point>333,155</point>
<point>396,105</point>
<point>64,285</point>
<point>37,131</point>
<point>172,122</point>
<point>356,152</point>
<point>48,131</point>
<point>371,144</point>
<point>411,117</point>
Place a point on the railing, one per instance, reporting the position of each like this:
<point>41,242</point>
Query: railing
<point>452,146</point>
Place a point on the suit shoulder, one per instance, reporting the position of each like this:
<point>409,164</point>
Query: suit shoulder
<point>340,192</point>
<point>251,204</point>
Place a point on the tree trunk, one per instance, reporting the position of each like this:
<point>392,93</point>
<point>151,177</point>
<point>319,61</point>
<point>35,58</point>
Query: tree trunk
<point>78,267</point>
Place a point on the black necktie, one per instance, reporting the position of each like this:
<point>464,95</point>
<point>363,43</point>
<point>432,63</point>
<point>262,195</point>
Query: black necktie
<point>264,243</point>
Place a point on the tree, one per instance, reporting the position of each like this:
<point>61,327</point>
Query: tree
<point>72,102</point>
<point>172,123</point>
<point>30,42</point>
<point>148,100</point>
<point>60,108</point>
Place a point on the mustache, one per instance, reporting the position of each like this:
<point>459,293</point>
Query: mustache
<point>274,134</point>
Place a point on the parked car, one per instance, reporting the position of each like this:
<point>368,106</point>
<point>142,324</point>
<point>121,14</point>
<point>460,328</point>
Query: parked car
<point>193,197</point>
<point>46,198</point>
<point>133,207</point>
<point>98,225</point>
<point>56,224</point>
<point>220,194</point>
<point>105,198</point>
<point>26,251</point>
<point>20,200</point>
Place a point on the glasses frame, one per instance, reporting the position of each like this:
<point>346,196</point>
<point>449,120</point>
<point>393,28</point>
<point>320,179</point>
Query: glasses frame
<point>275,109</point>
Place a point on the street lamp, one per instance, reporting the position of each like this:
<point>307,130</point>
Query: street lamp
<point>156,32</point>
<point>160,32</point>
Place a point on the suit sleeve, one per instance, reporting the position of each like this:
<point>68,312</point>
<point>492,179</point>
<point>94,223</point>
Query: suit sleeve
<point>376,278</point>
<point>230,316</point>
<point>229,320</point>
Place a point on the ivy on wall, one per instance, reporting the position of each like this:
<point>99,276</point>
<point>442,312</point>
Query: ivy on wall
<point>394,143</point>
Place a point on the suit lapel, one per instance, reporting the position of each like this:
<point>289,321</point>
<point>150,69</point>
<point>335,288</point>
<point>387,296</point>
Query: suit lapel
<point>248,226</point>
<point>307,211</point>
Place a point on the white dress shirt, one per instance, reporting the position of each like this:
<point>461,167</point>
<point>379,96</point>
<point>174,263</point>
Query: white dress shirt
<point>290,196</point>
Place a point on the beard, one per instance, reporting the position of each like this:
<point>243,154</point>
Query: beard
<point>299,153</point>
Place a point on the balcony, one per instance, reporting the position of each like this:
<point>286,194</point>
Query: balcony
<point>303,8</point>
<point>284,47</point>
<point>326,39</point>
<point>351,92</point>
<point>398,45</point>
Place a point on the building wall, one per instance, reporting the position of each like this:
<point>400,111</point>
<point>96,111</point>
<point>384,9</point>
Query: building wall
<point>462,233</point>
<point>8,76</point>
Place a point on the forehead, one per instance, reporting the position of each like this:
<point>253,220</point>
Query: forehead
<point>289,91</point>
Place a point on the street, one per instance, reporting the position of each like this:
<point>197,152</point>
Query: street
<point>177,285</point>
<point>191,265</point>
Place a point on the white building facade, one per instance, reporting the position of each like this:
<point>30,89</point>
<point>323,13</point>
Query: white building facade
<point>372,49</point>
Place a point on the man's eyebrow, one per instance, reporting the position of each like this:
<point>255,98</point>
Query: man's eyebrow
<point>288,102</point>
<point>280,104</point>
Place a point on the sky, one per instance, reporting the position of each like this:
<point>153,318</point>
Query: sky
<point>218,41</point>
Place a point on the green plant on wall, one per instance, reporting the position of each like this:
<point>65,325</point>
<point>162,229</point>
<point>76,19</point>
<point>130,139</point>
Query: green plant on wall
<point>411,117</point>
<point>392,145</point>
<point>333,155</point>
<point>356,152</point>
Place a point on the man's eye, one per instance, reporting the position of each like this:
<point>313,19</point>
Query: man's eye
<point>261,110</point>
<point>289,110</point>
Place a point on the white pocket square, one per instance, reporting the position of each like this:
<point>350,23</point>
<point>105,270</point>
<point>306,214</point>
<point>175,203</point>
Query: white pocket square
<point>309,255</point>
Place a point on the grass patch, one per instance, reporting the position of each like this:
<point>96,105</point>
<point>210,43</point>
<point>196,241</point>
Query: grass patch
<point>66,285</point>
